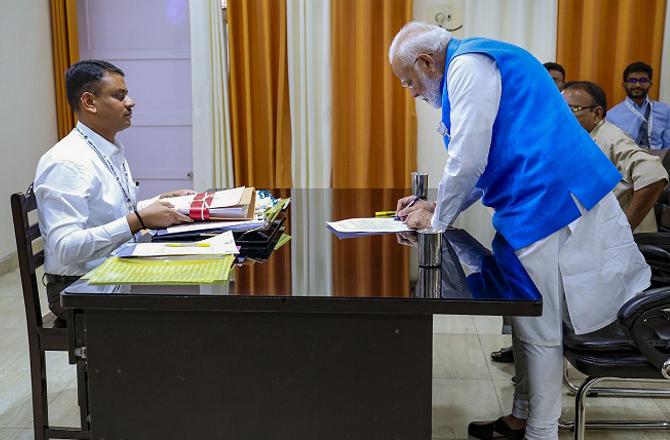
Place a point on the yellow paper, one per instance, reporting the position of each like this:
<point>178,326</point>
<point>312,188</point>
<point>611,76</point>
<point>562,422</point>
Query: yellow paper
<point>282,240</point>
<point>161,271</point>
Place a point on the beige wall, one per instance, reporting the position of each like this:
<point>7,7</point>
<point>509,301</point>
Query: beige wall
<point>27,111</point>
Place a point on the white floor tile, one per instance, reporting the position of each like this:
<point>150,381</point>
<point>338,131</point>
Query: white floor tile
<point>489,325</point>
<point>457,402</point>
<point>453,324</point>
<point>9,434</point>
<point>491,343</point>
<point>459,357</point>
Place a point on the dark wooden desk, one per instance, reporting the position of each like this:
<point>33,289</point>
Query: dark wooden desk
<point>333,355</point>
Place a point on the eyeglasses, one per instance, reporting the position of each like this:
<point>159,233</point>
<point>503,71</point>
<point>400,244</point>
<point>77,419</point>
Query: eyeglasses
<point>407,83</point>
<point>579,108</point>
<point>640,81</point>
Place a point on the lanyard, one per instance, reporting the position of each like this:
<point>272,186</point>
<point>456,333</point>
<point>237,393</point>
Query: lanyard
<point>125,189</point>
<point>640,116</point>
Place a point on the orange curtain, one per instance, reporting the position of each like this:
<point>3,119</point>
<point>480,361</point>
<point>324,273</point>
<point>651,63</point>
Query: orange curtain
<point>259,97</point>
<point>65,46</point>
<point>597,39</point>
<point>371,265</point>
<point>373,118</point>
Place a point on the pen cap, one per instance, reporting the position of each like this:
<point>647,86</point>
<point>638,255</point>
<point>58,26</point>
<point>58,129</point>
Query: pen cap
<point>430,247</point>
<point>420,185</point>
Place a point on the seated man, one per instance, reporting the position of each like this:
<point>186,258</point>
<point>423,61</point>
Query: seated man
<point>643,174</point>
<point>557,73</point>
<point>86,197</point>
<point>646,121</point>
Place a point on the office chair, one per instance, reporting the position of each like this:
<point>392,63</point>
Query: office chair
<point>44,332</point>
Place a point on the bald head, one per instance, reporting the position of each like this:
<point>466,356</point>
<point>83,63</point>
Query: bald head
<point>416,38</point>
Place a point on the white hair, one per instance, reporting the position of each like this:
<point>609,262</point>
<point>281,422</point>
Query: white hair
<point>416,38</point>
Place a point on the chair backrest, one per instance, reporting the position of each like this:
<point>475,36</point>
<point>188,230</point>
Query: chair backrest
<point>29,261</point>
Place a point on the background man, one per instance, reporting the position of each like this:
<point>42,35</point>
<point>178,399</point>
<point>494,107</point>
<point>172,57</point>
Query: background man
<point>646,121</point>
<point>643,174</point>
<point>557,73</point>
<point>511,139</point>
<point>86,197</point>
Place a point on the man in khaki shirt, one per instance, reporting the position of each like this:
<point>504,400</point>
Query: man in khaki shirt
<point>644,177</point>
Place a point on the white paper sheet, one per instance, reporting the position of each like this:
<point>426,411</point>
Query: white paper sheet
<point>242,225</point>
<point>369,225</point>
<point>222,244</point>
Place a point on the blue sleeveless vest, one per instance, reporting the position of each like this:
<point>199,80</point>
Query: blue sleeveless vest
<point>539,153</point>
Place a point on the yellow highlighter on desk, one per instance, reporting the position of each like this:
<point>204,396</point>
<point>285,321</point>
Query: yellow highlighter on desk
<point>385,214</point>
<point>187,244</point>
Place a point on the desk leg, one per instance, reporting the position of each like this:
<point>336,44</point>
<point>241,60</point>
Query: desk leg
<point>210,375</point>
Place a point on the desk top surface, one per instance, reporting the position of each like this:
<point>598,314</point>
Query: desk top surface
<point>317,272</point>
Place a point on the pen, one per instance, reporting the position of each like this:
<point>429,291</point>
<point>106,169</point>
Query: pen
<point>187,245</point>
<point>409,205</point>
<point>384,213</point>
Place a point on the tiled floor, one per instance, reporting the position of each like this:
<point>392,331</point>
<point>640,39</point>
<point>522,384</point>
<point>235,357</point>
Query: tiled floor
<point>466,384</point>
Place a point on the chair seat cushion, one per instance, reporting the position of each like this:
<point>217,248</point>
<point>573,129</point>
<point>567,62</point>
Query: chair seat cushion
<point>609,338</point>
<point>610,365</point>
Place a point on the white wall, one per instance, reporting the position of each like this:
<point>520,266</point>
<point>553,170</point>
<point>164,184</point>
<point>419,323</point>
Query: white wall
<point>527,23</point>
<point>28,114</point>
<point>665,59</point>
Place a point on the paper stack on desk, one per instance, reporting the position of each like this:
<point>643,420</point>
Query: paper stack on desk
<point>221,244</point>
<point>117,270</point>
<point>203,262</point>
<point>228,204</point>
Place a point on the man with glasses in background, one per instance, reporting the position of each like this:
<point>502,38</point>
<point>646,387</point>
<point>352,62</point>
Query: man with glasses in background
<point>643,175</point>
<point>646,121</point>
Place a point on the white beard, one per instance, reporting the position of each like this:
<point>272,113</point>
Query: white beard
<point>433,94</point>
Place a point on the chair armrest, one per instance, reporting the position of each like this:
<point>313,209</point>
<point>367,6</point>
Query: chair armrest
<point>647,323</point>
<point>653,251</point>
<point>661,239</point>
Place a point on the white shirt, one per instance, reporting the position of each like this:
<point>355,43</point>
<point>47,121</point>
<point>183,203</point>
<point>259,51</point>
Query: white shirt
<point>474,86</point>
<point>81,207</point>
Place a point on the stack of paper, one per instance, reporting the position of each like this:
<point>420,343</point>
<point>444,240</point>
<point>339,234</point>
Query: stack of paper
<point>221,244</point>
<point>357,227</point>
<point>203,262</point>
<point>161,271</point>
<point>230,204</point>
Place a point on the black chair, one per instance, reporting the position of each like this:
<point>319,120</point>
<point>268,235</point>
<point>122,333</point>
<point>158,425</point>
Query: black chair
<point>635,348</point>
<point>44,332</point>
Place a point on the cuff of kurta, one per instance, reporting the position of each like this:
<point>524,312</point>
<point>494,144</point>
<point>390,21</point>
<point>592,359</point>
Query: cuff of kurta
<point>436,223</point>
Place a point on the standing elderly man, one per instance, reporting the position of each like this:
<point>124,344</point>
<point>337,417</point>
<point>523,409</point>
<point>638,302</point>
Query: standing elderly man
<point>512,140</point>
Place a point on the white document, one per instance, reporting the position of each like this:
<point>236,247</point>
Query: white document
<point>222,244</point>
<point>369,225</point>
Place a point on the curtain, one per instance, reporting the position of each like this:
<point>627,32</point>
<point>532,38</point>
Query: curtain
<point>259,97</point>
<point>212,154</point>
<point>65,46</point>
<point>597,39</point>
<point>309,91</point>
<point>373,118</point>
<point>368,265</point>
<point>373,139</point>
